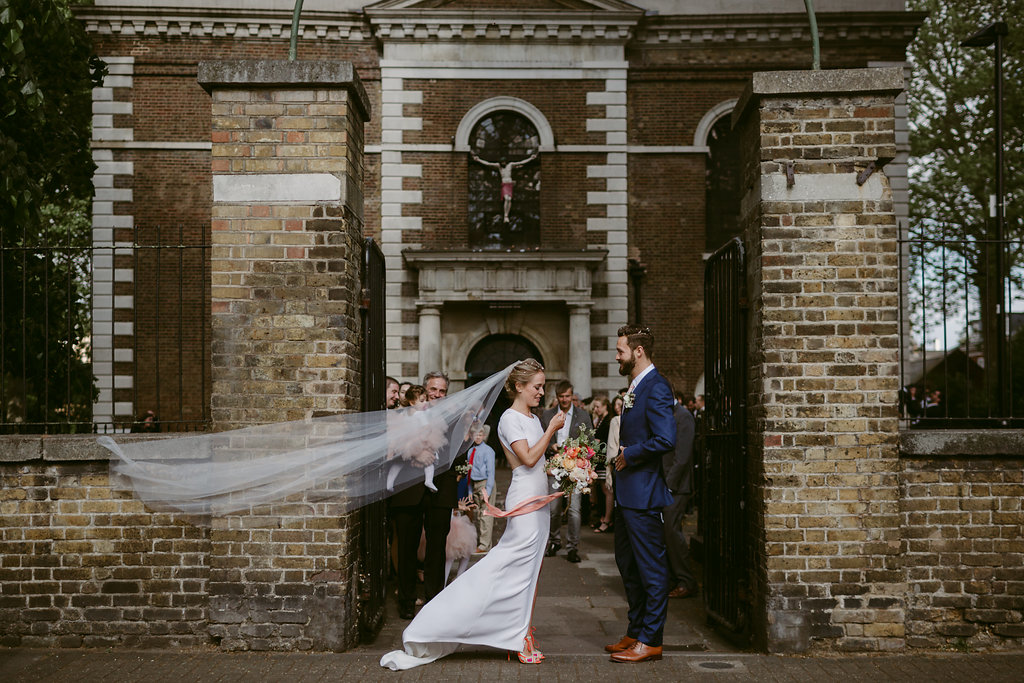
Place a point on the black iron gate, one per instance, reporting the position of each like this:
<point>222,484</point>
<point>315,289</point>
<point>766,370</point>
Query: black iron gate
<point>373,517</point>
<point>723,506</point>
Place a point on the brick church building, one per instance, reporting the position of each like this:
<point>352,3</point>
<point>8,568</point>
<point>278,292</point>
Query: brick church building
<point>537,172</point>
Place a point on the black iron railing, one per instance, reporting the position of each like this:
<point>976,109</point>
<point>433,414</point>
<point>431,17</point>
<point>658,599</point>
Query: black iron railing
<point>373,524</point>
<point>105,337</point>
<point>723,455</point>
<point>961,347</point>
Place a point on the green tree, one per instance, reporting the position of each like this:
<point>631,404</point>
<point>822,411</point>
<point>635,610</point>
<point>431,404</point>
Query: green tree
<point>47,72</point>
<point>952,170</point>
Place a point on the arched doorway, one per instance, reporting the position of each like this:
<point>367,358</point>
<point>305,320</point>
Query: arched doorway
<point>490,355</point>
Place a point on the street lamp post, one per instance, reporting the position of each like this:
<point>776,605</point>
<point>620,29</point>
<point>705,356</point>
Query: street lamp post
<point>993,34</point>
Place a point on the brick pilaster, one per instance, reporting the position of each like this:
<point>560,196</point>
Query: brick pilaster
<point>287,223</point>
<point>824,272</point>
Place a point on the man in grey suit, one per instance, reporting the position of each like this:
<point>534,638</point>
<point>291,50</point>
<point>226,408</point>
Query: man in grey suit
<point>574,419</point>
<point>678,467</point>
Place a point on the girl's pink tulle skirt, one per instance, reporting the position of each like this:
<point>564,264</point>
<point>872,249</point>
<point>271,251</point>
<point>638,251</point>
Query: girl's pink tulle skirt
<point>461,538</point>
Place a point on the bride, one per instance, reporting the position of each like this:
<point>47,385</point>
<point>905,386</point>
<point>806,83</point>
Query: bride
<point>492,603</point>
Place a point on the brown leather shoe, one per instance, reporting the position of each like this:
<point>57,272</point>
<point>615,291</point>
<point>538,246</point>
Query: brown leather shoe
<point>623,644</point>
<point>638,653</point>
<point>681,593</point>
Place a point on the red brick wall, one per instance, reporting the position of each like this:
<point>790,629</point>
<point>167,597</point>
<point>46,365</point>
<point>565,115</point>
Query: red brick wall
<point>666,220</point>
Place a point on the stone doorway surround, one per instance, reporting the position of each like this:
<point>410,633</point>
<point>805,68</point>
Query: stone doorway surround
<point>498,277</point>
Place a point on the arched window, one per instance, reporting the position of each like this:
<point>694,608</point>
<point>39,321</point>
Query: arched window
<point>504,182</point>
<point>722,199</point>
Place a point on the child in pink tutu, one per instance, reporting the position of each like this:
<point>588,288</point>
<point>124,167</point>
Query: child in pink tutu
<point>461,540</point>
<point>417,398</point>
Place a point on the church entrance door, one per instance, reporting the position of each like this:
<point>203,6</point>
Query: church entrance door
<point>490,355</point>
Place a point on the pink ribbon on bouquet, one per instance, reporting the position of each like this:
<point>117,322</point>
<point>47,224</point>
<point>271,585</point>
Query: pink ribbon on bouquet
<point>531,504</point>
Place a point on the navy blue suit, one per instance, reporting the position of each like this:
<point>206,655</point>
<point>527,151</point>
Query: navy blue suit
<point>647,431</point>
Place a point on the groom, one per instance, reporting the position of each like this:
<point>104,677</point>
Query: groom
<point>647,431</point>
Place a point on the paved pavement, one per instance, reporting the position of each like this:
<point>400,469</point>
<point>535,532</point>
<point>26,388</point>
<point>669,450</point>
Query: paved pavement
<point>580,608</point>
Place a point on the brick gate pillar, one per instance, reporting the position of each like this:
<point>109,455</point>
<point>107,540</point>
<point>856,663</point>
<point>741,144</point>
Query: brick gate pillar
<point>287,225</point>
<point>823,282</point>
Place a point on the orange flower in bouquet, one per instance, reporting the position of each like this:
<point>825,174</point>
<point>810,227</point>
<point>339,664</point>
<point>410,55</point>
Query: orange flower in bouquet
<point>575,461</point>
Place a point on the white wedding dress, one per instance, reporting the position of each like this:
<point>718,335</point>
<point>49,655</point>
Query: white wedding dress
<point>492,602</point>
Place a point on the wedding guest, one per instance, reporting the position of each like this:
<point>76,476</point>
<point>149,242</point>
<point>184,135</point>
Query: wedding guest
<point>574,419</point>
<point>392,399</point>
<point>436,384</point>
<point>402,388</point>
<point>481,477</point>
<point>598,506</point>
<point>678,467</point>
<point>461,539</point>
<point>607,522</point>
<point>416,397</point>
<point>617,405</point>
<point>418,509</point>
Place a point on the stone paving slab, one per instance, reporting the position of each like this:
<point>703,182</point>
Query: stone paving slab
<point>25,664</point>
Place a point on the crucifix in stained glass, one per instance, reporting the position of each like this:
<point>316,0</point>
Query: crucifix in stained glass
<point>504,183</point>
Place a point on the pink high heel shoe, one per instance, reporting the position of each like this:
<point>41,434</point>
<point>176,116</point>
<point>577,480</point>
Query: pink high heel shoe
<point>530,654</point>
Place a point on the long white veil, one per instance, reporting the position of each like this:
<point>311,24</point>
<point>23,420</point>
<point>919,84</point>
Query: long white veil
<point>351,459</point>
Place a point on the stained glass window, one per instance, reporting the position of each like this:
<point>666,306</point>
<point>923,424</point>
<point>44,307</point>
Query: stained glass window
<point>504,137</point>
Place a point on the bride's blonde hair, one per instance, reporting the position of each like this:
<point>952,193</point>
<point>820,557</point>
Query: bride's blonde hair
<point>521,374</point>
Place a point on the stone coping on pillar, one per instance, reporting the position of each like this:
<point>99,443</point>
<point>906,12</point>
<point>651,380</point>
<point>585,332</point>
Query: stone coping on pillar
<point>961,443</point>
<point>826,82</point>
<point>68,447</point>
<point>280,73</point>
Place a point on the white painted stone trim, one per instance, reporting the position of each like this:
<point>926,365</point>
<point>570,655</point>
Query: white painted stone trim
<point>519,106</point>
<point>496,73</point>
<point>152,144</point>
<point>234,21</point>
<point>277,187</point>
<point>567,149</point>
<point>821,187</point>
<point>106,138</point>
<point>710,118</point>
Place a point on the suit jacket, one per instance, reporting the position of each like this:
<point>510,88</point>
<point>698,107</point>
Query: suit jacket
<point>648,432</point>
<point>678,463</point>
<point>447,495</point>
<point>579,417</point>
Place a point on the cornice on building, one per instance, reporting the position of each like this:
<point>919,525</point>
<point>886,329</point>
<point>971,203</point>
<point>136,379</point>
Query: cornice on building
<point>168,21</point>
<point>397,24</point>
<point>728,30</point>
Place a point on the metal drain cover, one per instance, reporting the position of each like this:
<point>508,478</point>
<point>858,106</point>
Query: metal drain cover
<point>718,666</point>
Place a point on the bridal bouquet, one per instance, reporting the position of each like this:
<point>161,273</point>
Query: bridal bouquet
<point>573,464</point>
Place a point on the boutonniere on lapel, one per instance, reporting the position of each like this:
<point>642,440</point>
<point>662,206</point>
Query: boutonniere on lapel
<point>627,401</point>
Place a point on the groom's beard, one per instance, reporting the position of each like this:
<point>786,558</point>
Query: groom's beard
<point>626,367</point>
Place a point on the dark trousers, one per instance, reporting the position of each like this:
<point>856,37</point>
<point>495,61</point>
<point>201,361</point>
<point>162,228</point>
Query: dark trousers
<point>641,558</point>
<point>680,572</point>
<point>410,523</point>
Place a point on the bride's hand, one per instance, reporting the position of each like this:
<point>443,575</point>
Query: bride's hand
<point>557,422</point>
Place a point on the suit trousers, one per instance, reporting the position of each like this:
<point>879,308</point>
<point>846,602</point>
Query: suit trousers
<point>680,571</point>
<point>641,557</point>
<point>572,541</point>
<point>484,523</point>
<point>410,523</point>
